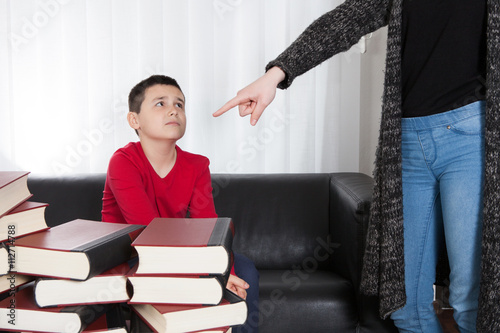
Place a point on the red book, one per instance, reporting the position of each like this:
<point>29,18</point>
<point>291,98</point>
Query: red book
<point>25,219</point>
<point>138,325</point>
<point>113,321</point>
<point>179,289</point>
<point>13,189</point>
<point>79,249</point>
<point>20,313</point>
<point>171,318</point>
<point>185,246</point>
<point>107,287</point>
<point>11,281</point>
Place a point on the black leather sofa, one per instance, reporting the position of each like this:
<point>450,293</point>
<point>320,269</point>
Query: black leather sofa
<point>305,233</point>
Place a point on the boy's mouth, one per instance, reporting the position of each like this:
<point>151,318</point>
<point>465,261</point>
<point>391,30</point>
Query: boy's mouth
<point>173,123</point>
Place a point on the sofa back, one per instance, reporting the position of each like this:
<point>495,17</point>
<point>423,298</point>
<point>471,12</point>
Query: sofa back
<point>278,217</point>
<point>281,220</point>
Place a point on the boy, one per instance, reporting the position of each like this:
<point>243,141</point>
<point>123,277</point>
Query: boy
<point>155,178</point>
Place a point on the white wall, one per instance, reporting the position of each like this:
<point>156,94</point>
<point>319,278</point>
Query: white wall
<point>371,88</point>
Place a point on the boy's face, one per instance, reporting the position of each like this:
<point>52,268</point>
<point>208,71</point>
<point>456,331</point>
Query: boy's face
<point>162,115</point>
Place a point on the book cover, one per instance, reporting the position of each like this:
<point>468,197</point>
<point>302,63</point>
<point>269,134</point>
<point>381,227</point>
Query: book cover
<point>79,249</point>
<point>176,288</point>
<point>107,287</point>
<point>185,246</point>
<point>5,259</point>
<point>27,218</point>
<point>113,321</point>
<point>13,189</point>
<point>174,318</point>
<point>19,312</point>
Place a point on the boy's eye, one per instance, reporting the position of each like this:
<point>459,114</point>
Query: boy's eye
<point>179,105</point>
<point>159,104</point>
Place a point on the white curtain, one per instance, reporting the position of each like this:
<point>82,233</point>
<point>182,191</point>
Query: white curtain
<point>67,66</point>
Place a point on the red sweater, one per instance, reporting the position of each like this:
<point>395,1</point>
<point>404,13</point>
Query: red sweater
<point>135,194</point>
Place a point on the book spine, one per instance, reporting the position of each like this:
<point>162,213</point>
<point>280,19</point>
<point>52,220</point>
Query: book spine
<point>111,253</point>
<point>222,235</point>
<point>88,313</point>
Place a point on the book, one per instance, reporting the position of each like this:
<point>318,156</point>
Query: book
<point>13,189</point>
<point>107,287</point>
<point>113,321</point>
<point>11,281</point>
<point>138,325</point>
<point>27,218</point>
<point>180,289</point>
<point>78,250</point>
<point>173,318</point>
<point>20,313</point>
<point>185,246</point>
<point>5,259</point>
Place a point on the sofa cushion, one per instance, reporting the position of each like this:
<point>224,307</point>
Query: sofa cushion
<point>298,301</point>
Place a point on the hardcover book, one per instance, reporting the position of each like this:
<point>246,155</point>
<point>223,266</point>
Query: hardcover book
<point>172,318</point>
<point>11,281</point>
<point>79,249</point>
<point>107,287</point>
<point>27,218</point>
<point>20,313</point>
<point>185,246</point>
<point>113,321</point>
<point>13,189</point>
<point>138,325</point>
<point>180,289</point>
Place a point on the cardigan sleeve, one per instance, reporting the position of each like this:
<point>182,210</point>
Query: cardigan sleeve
<point>332,33</point>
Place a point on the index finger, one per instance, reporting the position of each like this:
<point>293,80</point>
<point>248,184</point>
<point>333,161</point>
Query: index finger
<point>231,104</point>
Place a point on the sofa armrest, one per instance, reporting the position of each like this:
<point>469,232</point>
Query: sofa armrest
<point>350,199</point>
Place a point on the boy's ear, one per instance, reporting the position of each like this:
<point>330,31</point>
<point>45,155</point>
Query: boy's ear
<point>133,121</point>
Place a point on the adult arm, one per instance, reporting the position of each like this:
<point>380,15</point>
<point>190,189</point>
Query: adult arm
<point>334,32</point>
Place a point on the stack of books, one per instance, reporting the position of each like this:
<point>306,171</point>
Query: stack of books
<point>179,282</point>
<point>68,278</point>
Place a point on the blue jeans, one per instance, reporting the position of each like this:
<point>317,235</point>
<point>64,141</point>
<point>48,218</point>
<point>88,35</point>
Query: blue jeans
<point>443,158</point>
<point>245,269</point>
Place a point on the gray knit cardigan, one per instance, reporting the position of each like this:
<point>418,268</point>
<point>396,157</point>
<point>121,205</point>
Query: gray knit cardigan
<point>383,269</point>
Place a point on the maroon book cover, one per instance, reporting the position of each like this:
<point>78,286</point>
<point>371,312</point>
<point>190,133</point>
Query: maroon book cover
<point>79,249</point>
<point>13,190</point>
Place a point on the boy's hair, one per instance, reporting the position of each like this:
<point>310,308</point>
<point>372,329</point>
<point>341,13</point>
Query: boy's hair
<point>136,95</point>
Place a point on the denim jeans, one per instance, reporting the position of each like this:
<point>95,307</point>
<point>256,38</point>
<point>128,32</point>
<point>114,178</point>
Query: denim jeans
<point>442,158</point>
<point>245,269</point>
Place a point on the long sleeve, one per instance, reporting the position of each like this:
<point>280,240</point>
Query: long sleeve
<point>127,186</point>
<point>332,33</point>
<point>202,201</point>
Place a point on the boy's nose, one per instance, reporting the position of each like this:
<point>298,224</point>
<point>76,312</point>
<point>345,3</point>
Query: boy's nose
<point>172,111</point>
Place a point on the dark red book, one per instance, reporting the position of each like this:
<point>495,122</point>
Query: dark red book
<point>185,246</point>
<point>179,289</point>
<point>10,282</point>
<point>25,219</point>
<point>192,318</point>
<point>79,249</point>
<point>13,189</point>
<point>20,313</point>
<point>138,325</point>
<point>107,287</point>
<point>113,321</point>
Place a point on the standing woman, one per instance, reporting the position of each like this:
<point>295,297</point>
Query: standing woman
<point>437,166</point>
